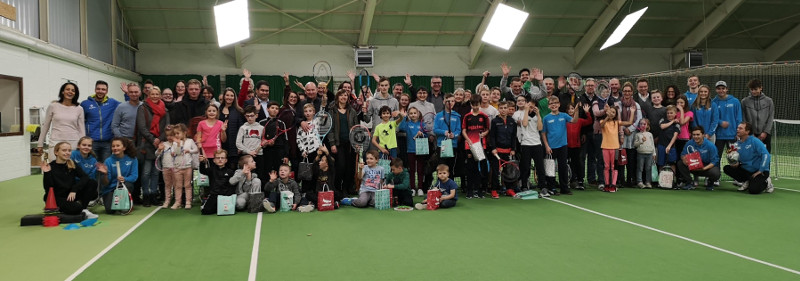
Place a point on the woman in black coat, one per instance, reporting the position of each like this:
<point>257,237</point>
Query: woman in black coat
<point>231,112</point>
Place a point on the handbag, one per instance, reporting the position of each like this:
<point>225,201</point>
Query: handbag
<point>693,160</point>
<point>549,166</point>
<point>477,151</point>
<point>121,199</point>
<point>325,199</point>
<point>226,205</point>
<point>654,171</point>
<point>287,200</point>
<point>305,170</point>
<point>527,195</point>
<point>447,148</point>
<point>422,146</point>
<point>666,178</point>
<point>622,157</point>
<point>200,180</point>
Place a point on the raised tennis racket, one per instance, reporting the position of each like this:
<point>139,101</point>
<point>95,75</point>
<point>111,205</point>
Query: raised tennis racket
<point>323,123</point>
<point>603,89</point>
<point>322,72</point>
<point>575,81</point>
<point>364,81</point>
<point>360,138</point>
<point>426,122</point>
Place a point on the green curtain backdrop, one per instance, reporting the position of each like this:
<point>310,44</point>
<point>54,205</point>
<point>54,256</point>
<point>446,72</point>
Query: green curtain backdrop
<point>448,83</point>
<point>275,84</point>
<point>169,81</point>
<point>470,82</point>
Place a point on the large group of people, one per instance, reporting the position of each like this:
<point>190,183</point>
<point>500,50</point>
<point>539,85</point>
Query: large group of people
<point>568,132</point>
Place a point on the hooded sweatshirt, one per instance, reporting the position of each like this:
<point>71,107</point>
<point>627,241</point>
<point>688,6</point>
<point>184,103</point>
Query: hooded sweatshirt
<point>753,155</point>
<point>129,167</point>
<point>759,111</point>
<point>375,104</point>
<point>730,110</point>
<point>98,116</point>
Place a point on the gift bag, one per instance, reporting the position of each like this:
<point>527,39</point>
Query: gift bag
<point>383,199</point>
<point>447,148</point>
<point>226,205</point>
<point>287,200</point>
<point>665,178</point>
<point>200,180</point>
<point>527,195</point>
<point>122,200</point>
<point>477,151</point>
<point>255,202</point>
<point>433,198</point>
<point>422,146</point>
<point>622,157</point>
<point>549,166</point>
<point>693,159</point>
<point>384,162</point>
<point>654,172</point>
<point>305,170</point>
<point>325,199</point>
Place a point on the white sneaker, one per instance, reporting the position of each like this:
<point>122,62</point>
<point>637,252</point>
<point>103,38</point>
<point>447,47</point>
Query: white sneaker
<point>744,186</point>
<point>306,208</point>
<point>601,186</point>
<point>269,207</point>
<point>420,193</point>
<point>716,183</point>
<point>420,206</point>
<point>90,215</point>
<point>770,186</point>
<point>736,183</point>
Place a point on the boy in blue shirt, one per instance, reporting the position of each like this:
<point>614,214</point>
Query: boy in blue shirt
<point>752,168</point>
<point>708,154</point>
<point>447,127</point>
<point>730,113</point>
<point>446,185</point>
<point>554,137</point>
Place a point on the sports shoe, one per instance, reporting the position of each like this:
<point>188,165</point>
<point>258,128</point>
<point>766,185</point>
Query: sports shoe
<point>737,183</point>
<point>612,189</point>
<point>269,207</point>
<point>688,186</point>
<point>566,192</point>
<point>544,192</point>
<point>306,208</point>
<point>648,186</point>
<point>716,183</point>
<point>641,185</point>
<point>580,186</point>
<point>420,193</point>
<point>510,192</point>
<point>744,186</point>
<point>89,215</point>
<point>770,186</point>
<point>420,206</point>
<point>495,195</point>
<point>602,187</point>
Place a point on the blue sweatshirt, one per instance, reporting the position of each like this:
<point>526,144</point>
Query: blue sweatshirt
<point>730,110</point>
<point>128,166</point>
<point>690,97</point>
<point>440,126</point>
<point>706,117</point>
<point>86,164</point>
<point>753,155</point>
<point>708,151</point>
<point>411,128</point>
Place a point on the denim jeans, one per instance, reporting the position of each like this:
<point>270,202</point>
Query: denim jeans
<point>643,164</point>
<point>102,149</point>
<point>149,178</point>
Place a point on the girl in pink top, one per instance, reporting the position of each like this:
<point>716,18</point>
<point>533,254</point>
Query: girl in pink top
<point>211,132</point>
<point>685,116</point>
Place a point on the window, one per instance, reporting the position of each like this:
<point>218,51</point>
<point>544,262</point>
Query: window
<point>10,106</point>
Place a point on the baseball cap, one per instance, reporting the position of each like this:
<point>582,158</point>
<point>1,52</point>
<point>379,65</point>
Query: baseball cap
<point>721,83</point>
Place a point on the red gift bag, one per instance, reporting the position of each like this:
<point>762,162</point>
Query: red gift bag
<point>325,199</point>
<point>693,159</point>
<point>433,199</point>
<point>622,157</point>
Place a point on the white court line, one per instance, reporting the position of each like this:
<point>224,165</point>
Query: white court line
<point>787,189</point>
<point>254,255</point>
<point>679,237</point>
<point>104,251</point>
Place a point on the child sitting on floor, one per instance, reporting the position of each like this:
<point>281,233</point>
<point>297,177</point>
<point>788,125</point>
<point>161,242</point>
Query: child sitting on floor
<point>246,180</point>
<point>446,185</point>
<point>398,181</point>
<point>219,181</point>
<point>281,182</point>
<point>371,176</point>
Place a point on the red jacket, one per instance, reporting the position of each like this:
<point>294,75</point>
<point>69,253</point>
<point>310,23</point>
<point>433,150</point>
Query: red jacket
<point>574,131</point>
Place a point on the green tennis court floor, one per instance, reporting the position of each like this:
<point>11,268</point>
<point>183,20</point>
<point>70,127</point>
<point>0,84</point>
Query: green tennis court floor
<point>630,235</point>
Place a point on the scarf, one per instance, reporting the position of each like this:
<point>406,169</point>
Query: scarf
<point>159,110</point>
<point>626,109</point>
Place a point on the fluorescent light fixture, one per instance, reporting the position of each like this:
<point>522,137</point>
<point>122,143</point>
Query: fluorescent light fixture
<point>623,28</point>
<point>233,22</point>
<point>504,26</point>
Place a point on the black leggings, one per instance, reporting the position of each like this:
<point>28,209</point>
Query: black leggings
<point>345,159</point>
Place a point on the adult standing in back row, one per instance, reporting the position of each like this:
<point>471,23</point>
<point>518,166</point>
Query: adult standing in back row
<point>99,113</point>
<point>63,119</point>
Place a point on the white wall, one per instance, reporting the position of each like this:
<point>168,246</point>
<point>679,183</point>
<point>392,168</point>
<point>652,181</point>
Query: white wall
<point>42,77</point>
<point>391,61</point>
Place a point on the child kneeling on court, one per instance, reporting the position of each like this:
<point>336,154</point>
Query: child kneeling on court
<point>446,185</point>
<point>281,182</point>
<point>246,180</point>
<point>398,181</point>
<point>371,177</point>
<point>219,181</point>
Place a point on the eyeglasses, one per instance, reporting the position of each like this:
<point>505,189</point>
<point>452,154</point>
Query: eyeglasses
<point>554,103</point>
<point>436,82</point>
<point>249,115</point>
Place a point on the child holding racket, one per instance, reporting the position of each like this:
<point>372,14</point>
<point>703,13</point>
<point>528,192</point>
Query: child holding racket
<point>123,152</point>
<point>412,126</point>
<point>502,140</point>
<point>384,136</point>
<point>211,132</point>
<point>184,152</point>
<point>274,141</point>
<point>475,128</point>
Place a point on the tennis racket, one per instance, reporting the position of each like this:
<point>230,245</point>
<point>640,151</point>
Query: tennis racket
<point>509,170</point>
<point>360,138</point>
<point>323,123</point>
<point>270,134</point>
<point>575,81</point>
<point>603,89</point>
<point>426,122</point>
<point>322,72</point>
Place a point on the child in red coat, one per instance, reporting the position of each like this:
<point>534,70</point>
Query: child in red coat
<point>574,144</point>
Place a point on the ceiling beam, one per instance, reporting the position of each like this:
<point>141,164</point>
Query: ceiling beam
<point>702,30</point>
<point>593,35</point>
<point>476,46</point>
<point>366,22</point>
<point>303,22</point>
<point>783,45</point>
<point>237,55</point>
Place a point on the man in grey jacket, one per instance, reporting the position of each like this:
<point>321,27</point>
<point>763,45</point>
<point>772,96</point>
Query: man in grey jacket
<point>758,110</point>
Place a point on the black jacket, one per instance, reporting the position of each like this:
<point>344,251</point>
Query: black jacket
<point>503,134</point>
<point>218,179</point>
<point>63,180</point>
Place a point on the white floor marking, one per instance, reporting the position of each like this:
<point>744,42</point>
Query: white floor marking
<point>254,255</point>
<point>787,189</point>
<point>113,244</point>
<point>678,236</point>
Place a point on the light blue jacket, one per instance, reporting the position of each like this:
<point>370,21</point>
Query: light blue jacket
<point>440,127</point>
<point>753,155</point>
<point>730,110</point>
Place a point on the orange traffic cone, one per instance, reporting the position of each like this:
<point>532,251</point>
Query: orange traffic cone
<point>50,204</point>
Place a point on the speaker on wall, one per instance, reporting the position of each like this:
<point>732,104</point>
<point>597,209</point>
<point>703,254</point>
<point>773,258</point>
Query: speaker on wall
<point>694,58</point>
<point>364,57</point>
